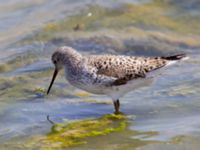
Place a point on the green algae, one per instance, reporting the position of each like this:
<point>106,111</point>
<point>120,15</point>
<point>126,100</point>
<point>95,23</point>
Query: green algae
<point>23,86</point>
<point>195,61</point>
<point>108,102</point>
<point>17,62</point>
<point>185,90</point>
<point>176,143</point>
<point>82,94</point>
<point>78,132</point>
<point>74,133</point>
<point>148,16</point>
<point>40,90</point>
<point>85,98</point>
<point>152,20</point>
<point>20,86</point>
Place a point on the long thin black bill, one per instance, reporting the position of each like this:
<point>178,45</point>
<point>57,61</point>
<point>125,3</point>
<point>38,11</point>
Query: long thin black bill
<point>53,78</point>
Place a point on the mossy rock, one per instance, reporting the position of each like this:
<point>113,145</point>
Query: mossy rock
<point>79,132</point>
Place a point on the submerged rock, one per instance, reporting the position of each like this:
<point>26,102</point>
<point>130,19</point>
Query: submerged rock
<point>78,132</point>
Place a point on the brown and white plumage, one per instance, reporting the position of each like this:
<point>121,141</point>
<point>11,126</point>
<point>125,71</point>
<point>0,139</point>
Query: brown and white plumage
<point>126,68</point>
<point>112,75</point>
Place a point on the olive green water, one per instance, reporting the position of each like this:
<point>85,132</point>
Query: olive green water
<point>163,115</point>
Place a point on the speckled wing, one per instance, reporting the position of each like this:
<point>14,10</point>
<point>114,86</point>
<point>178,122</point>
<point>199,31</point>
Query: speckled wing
<point>125,68</point>
<point>98,79</point>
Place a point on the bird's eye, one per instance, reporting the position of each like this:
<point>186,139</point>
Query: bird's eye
<point>54,61</point>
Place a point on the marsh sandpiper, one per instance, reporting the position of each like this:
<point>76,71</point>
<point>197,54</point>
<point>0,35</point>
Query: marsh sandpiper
<point>111,75</point>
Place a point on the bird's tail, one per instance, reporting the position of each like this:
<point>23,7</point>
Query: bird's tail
<point>176,57</point>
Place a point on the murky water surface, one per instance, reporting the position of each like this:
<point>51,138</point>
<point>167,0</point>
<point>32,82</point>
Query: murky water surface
<point>162,115</point>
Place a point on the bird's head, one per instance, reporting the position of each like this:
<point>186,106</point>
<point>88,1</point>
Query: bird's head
<point>62,56</point>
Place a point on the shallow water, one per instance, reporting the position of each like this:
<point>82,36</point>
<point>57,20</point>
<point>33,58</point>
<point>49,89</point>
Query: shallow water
<point>162,115</point>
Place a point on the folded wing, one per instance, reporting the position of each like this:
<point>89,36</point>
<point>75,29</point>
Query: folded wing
<point>126,68</point>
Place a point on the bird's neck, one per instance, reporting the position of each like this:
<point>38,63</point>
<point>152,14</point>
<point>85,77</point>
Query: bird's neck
<point>72,68</point>
<point>73,62</point>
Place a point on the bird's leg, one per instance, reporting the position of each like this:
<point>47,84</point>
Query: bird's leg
<point>116,105</point>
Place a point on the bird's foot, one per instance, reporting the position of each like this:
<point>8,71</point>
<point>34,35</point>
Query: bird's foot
<point>118,113</point>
